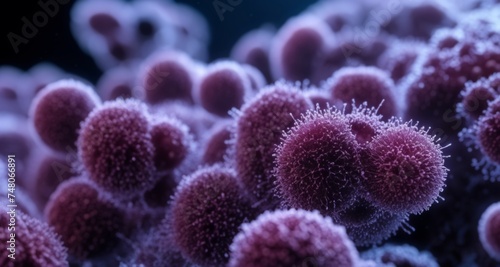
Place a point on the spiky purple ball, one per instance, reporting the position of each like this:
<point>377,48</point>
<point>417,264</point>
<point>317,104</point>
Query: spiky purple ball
<point>85,218</point>
<point>364,84</point>
<point>207,211</point>
<point>223,87</point>
<point>292,238</point>
<point>404,169</point>
<point>317,163</point>
<point>167,76</point>
<point>58,110</point>
<point>488,129</point>
<point>172,142</point>
<point>116,149</point>
<point>30,241</point>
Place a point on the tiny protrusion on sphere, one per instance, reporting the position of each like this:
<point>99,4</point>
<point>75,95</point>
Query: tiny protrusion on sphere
<point>58,110</point>
<point>207,211</point>
<point>292,238</point>
<point>489,230</point>
<point>116,148</point>
<point>224,86</point>
<point>404,169</point>
<point>172,142</point>
<point>29,242</point>
<point>85,218</point>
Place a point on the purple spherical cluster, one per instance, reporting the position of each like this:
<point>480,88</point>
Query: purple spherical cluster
<point>172,143</point>
<point>28,241</point>
<point>85,218</point>
<point>400,255</point>
<point>224,86</point>
<point>404,169</point>
<point>207,211</point>
<point>317,164</point>
<point>167,76</point>
<point>364,84</point>
<point>434,89</point>
<point>116,148</point>
<point>58,110</point>
<point>489,230</point>
<point>359,170</point>
<point>258,130</point>
<point>191,146</point>
<point>292,238</point>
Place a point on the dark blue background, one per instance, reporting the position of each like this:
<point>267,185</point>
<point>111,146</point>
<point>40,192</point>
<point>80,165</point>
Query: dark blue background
<point>54,42</point>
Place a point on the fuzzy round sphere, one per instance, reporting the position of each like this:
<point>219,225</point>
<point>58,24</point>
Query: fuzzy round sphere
<point>488,132</point>
<point>259,130</point>
<point>34,244</point>
<point>223,87</point>
<point>292,238</point>
<point>50,171</point>
<point>116,149</point>
<point>85,218</point>
<point>172,142</point>
<point>400,255</point>
<point>297,47</point>
<point>317,164</point>
<point>399,58</point>
<point>58,110</point>
<point>207,211</point>
<point>489,230</point>
<point>404,169</point>
<point>167,76</point>
<point>364,84</point>
<point>475,99</point>
<point>253,49</point>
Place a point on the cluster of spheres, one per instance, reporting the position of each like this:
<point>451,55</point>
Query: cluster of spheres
<point>357,134</point>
